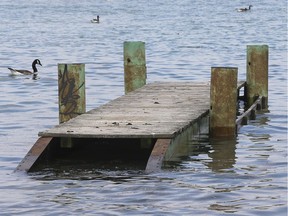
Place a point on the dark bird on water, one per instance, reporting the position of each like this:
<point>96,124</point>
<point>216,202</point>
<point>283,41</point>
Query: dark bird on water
<point>26,72</point>
<point>96,20</point>
<point>244,9</point>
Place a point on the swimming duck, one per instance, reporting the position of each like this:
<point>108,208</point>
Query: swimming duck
<point>244,9</point>
<point>97,20</point>
<point>26,72</point>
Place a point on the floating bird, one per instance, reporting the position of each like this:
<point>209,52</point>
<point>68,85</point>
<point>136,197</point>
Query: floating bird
<point>26,72</point>
<point>244,9</point>
<point>97,20</point>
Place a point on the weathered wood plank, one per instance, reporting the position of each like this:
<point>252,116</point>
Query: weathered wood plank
<point>155,160</point>
<point>34,154</point>
<point>243,118</point>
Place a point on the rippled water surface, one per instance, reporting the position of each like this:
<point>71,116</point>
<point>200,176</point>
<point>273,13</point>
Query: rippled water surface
<point>184,39</point>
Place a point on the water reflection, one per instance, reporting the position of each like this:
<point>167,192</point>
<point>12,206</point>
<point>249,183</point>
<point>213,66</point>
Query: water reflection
<point>216,155</point>
<point>223,155</point>
<point>87,174</point>
<point>224,208</point>
<point>65,198</point>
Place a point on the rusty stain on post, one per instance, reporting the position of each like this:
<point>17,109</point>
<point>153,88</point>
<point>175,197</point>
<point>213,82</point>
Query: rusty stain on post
<point>257,74</point>
<point>223,100</point>
<point>134,65</point>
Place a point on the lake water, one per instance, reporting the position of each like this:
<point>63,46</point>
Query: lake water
<point>184,39</point>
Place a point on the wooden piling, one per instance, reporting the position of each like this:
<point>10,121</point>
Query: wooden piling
<point>257,74</point>
<point>71,90</point>
<point>134,65</point>
<point>223,102</point>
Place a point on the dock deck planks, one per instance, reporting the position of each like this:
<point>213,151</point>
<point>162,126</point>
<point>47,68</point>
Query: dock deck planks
<point>157,110</point>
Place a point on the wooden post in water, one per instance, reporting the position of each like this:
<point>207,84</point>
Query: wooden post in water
<point>134,65</point>
<point>223,102</point>
<point>257,74</point>
<point>71,90</point>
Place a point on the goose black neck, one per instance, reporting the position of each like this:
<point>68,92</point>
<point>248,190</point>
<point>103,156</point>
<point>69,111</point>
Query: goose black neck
<point>34,67</point>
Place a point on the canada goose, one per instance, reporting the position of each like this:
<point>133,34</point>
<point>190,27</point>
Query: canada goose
<point>26,72</point>
<point>244,9</point>
<point>97,20</point>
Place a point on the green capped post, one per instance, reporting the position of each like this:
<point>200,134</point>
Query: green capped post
<point>134,65</point>
<point>257,74</point>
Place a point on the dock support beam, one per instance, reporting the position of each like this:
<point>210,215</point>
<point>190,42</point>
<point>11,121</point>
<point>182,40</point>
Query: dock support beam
<point>34,154</point>
<point>155,160</point>
<point>134,65</point>
<point>223,102</point>
<point>71,89</point>
<point>257,74</point>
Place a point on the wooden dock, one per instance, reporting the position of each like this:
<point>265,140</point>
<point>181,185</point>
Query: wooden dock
<point>150,122</point>
<point>157,110</point>
<point>158,115</point>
